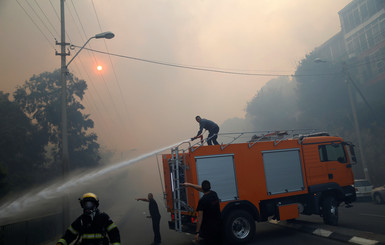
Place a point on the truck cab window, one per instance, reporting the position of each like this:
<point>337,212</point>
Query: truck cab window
<point>332,152</point>
<point>351,153</point>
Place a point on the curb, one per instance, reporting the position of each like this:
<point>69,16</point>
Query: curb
<point>341,235</point>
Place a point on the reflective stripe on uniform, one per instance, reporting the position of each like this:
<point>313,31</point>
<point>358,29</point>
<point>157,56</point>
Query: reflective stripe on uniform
<point>92,236</point>
<point>62,241</point>
<point>110,227</point>
<point>72,230</point>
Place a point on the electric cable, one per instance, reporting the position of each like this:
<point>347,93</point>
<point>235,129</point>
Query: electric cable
<point>46,17</point>
<point>37,26</point>
<point>101,76</point>
<point>112,65</point>
<point>40,19</point>
<point>202,68</point>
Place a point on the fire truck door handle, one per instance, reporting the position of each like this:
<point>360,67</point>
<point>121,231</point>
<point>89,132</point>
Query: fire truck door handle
<point>330,176</point>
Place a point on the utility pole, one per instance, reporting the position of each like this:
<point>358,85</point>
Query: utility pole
<point>356,125</point>
<point>64,132</point>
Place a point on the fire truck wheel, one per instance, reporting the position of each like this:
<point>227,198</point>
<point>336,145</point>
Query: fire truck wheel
<point>330,210</point>
<point>239,227</point>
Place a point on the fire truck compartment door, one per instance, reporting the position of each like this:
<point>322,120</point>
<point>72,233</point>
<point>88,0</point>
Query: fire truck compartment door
<point>283,171</point>
<point>220,171</point>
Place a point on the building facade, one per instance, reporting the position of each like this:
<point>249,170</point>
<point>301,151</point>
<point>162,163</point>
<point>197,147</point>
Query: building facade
<point>363,30</point>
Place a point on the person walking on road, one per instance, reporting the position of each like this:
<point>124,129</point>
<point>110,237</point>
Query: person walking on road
<point>155,216</point>
<point>211,126</point>
<point>209,223</point>
<point>92,226</point>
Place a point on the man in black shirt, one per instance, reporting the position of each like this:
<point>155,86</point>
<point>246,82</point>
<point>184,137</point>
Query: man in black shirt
<point>209,215</point>
<point>155,216</point>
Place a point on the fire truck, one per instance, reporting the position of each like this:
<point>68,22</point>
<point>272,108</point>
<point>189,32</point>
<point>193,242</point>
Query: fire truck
<point>269,176</point>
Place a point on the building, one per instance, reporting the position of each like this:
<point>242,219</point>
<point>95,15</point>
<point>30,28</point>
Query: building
<point>363,30</point>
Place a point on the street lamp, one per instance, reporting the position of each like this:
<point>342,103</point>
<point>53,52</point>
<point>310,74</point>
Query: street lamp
<point>349,82</point>
<point>65,155</point>
<point>64,69</point>
<point>106,35</point>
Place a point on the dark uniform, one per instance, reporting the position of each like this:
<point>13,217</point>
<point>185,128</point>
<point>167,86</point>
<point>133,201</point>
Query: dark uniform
<point>211,221</point>
<point>213,129</point>
<point>92,232</point>
<point>92,227</point>
<point>155,216</point>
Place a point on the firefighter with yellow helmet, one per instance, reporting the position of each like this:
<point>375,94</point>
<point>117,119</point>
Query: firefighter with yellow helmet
<point>92,227</point>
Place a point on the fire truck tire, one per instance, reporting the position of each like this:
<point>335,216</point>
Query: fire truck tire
<point>239,227</point>
<point>330,210</point>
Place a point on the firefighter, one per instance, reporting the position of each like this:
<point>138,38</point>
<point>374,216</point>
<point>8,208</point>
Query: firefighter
<point>211,126</point>
<point>92,227</point>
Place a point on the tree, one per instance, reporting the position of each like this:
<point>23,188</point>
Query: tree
<point>322,93</point>
<point>323,100</point>
<point>274,107</point>
<point>21,147</point>
<point>40,100</point>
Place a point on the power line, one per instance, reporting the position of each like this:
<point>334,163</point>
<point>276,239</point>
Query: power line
<point>57,15</point>
<point>37,26</point>
<point>49,22</point>
<point>112,99</point>
<point>40,20</point>
<point>205,69</point>
<point>112,65</point>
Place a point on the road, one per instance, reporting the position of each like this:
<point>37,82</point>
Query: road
<point>365,219</point>
<point>267,233</point>
<point>363,216</point>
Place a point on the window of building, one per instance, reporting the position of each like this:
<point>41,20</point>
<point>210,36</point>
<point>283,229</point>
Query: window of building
<point>381,66</point>
<point>356,18</point>
<point>332,152</point>
<point>369,36</point>
<point>363,41</point>
<point>376,33</point>
<point>351,22</point>
<point>364,12</point>
<point>356,45</point>
<point>372,7</point>
<point>382,26</point>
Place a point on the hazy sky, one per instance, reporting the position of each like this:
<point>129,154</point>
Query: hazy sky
<point>138,105</point>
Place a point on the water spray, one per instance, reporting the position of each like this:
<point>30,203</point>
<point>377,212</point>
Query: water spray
<point>56,190</point>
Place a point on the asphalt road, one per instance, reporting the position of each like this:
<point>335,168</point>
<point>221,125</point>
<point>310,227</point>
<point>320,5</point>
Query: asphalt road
<point>363,216</point>
<point>364,219</point>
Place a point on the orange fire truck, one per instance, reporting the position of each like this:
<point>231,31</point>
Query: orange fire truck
<point>271,175</point>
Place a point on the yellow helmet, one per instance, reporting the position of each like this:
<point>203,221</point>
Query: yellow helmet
<point>89,197</point>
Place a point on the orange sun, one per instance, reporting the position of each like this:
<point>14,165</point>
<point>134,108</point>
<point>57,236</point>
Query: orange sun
<point>99,68</point>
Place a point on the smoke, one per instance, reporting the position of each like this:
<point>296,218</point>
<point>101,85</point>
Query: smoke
<point>33,199</point>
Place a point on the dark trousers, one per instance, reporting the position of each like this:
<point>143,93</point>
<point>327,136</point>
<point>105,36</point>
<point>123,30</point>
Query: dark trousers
<point>213,135</point>
<point>156,229</point>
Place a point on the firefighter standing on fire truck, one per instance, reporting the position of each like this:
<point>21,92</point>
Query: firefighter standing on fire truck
<point>92,226</point>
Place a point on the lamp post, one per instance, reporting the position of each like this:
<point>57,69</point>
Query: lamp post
<point>64,131</point>
<point>349,82</point>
